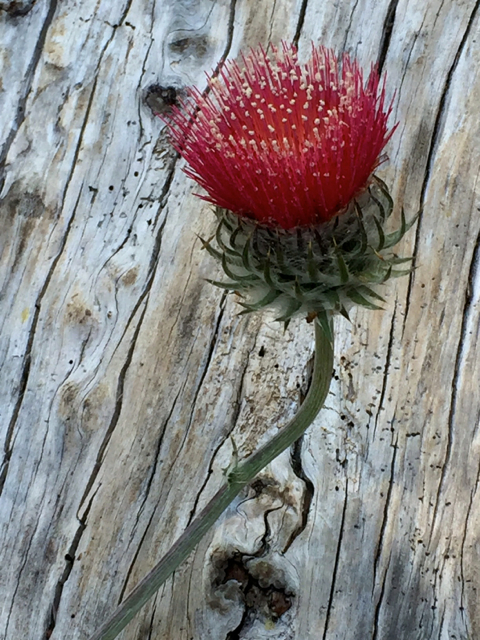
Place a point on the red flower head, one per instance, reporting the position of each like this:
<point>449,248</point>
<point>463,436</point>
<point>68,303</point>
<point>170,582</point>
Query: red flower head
<point>284,143</point>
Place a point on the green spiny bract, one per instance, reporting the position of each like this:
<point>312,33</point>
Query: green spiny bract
<point>316,270</point>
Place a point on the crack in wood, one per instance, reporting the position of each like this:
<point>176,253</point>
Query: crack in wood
<point>163,198</point>
<point>386,369</point>
<point>297,467</point>
<point>115,416</point>
<point>386,506</point>
<point>347,30</point>
<point>28,349</point>
<point>462,551</point>
<point>431,153</point>
<point>212,345</point>
<point>153,259</point>
<point>27,357</point>
<point>457,370</point>
<point>228,44</point>
<point>125,11</point>
<point>152,618</point>
<point>336,563</point>
<point>69,562</point>
<point>29,75</point>
<point>386,33</point>
<point>272,13</point>
<point>117,410</point>
<point>154,465</point>
<point>78,146</point>
<point>308,493</point>
<point>300,23</point>
<point>211,349</point>
<point>238,406</point>
<point>378,606</point>
<point>19,575</point>
<point>135,557</point>
<point>25,375</point>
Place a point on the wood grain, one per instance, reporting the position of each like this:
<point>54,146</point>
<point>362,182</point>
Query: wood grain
<point>125,375</point>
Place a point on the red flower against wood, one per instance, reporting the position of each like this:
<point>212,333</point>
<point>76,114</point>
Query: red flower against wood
<point>284,143</point>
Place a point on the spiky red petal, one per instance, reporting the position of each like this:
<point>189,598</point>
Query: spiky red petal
<point>285,143</point>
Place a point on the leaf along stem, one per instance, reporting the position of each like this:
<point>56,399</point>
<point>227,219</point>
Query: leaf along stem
<point>242,474</point>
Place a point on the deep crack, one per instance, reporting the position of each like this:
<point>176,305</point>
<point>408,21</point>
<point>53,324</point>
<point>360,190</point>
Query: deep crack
<point>69,562</point>
<point>387,34</point>
<point>431,152</point>
<point>309,492</point>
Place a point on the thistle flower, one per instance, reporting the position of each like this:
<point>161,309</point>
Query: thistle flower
<point>287,152</point>
<point>284,143</point>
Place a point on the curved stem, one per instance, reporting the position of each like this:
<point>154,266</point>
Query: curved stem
<point>241,475</point>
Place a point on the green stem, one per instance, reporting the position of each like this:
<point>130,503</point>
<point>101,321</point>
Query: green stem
<point>241,475</point>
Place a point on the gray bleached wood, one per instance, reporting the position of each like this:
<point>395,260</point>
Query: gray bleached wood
<point>124,375</point>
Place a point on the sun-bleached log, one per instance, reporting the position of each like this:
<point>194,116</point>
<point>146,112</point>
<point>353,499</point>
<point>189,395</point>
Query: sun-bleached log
<point>127,379</point>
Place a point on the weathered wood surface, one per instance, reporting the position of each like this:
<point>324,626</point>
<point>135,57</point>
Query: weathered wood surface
<point>124,374</point>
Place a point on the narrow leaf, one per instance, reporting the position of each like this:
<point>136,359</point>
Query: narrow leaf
<point>234,276</point>
<point>364,290</point>
<point>267,276</point>
<point>381,234</point>
<point>344,313</point>
<point>380,206</point>
<point>292,307</point>
<point>233,238</point>
<point>392,238</point>
<point>225,248</point>
<point>357,298</point>
<point>260,304</point>
<point>384,189</point>
<point>213,252</point>
<point>397,273</point>
<point>363,232</point>
<point>246,254</point>
<point>311,266</point>
<point>230,286</point>
<point>398,260</point>
<point>342,267</point>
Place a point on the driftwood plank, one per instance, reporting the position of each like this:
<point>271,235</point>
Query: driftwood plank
<point>125,375</point>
